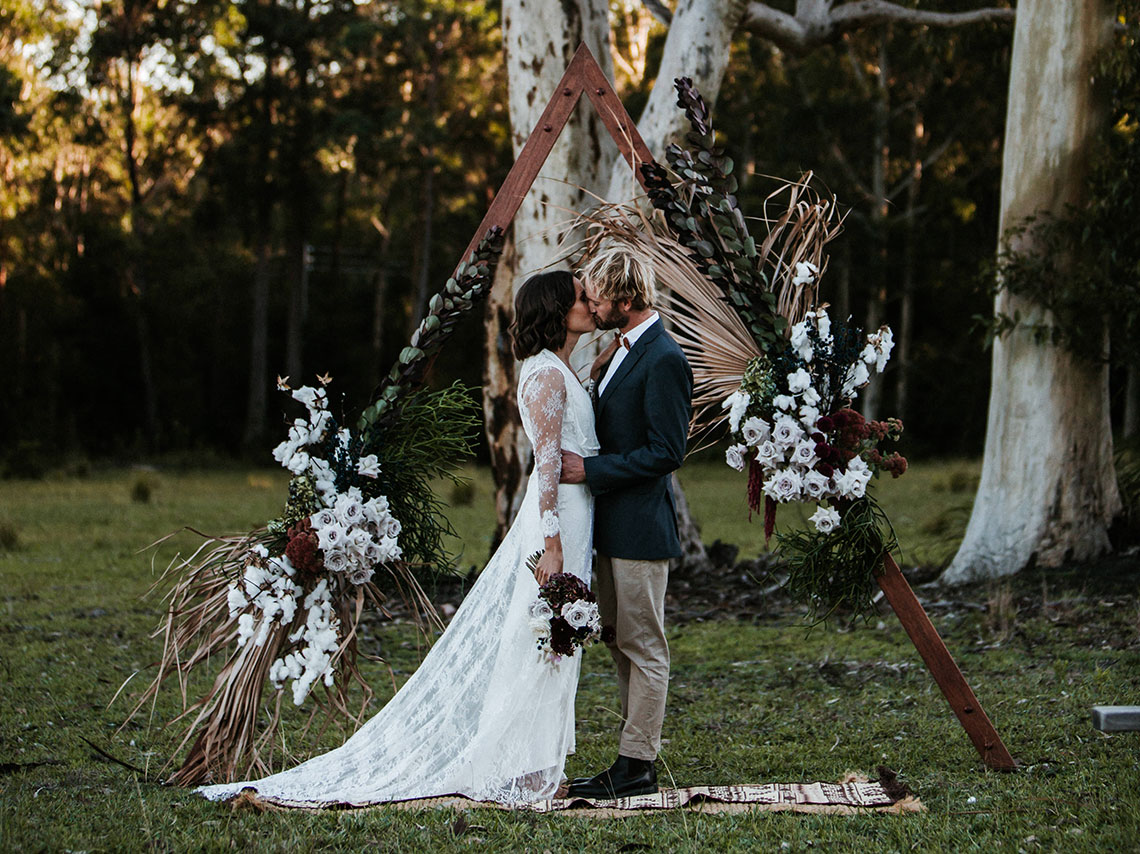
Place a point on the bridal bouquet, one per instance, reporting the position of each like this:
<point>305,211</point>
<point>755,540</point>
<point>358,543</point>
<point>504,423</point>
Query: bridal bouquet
<point>564,617</point>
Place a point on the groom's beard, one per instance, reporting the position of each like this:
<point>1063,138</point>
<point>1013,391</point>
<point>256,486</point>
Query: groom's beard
<point>616,319</point>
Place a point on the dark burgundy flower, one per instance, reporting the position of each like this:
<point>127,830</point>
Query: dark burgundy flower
<point>822,449</point>
<point>561,637</point>
<point>825,424</point>
<point>302,549</point>
<point>825,469</point>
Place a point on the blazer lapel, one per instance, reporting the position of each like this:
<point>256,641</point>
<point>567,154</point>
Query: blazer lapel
<point>631,359</point>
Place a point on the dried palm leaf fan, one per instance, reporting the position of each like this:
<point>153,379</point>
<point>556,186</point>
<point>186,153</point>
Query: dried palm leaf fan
<point>716,341</point>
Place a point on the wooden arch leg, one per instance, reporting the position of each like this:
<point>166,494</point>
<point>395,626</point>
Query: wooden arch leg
<point>943,668</point>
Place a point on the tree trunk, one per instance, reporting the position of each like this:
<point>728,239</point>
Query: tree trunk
<point>427,201</point>
<point>539,38</point>
<point>871,396</point>
<point>1048,491</point>
<point>910,256</point>
<point>698,46</point>
<point>1131,426</point>
<point>258,396</point>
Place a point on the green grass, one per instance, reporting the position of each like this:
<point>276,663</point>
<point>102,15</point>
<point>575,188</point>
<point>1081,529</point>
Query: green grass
<point>749,701</point>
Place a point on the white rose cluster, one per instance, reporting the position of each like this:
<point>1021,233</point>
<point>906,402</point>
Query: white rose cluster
<point>355,536</point>
<point>320,639</point>
<point>784,447</point>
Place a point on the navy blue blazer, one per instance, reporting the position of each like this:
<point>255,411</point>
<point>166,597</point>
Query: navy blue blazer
<point>642,420</point>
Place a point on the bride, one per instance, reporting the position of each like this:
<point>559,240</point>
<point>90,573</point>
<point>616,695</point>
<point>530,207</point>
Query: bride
<point>484,716</point>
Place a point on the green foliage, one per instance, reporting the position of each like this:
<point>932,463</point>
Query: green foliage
<point>836,571</point>
<point>1083,266</point>
<point>432,437</point>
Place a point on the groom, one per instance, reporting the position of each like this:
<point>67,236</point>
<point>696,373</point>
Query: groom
<point>642,418</point>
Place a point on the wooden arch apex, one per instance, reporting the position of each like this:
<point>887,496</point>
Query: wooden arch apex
<point>584,75</point>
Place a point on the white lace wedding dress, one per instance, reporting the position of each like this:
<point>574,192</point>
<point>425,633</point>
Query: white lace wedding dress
<point>483,716</point>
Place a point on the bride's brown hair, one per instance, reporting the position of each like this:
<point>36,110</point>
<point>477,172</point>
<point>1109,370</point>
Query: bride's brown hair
<point>541,306</point>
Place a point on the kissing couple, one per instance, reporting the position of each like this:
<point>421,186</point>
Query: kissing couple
<point>485,716</point>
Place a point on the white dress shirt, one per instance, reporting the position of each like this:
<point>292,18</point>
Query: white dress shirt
<point>631,339</point>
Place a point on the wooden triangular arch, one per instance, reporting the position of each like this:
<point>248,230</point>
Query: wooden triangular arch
<point>584,75</point>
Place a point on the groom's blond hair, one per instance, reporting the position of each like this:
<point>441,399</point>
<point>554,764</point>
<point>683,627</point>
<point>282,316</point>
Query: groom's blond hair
<point>617,272</point>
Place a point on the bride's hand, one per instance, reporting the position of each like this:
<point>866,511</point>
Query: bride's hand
<point>549,564</point>
<point>603,357</point>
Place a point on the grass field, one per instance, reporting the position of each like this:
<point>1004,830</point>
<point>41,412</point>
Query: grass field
<point>750,700</point>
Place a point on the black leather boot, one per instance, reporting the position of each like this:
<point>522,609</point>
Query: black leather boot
<point>625,778</point>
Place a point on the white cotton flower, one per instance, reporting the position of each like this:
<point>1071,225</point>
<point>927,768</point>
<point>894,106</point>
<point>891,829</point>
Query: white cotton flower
<point>259,550</point>
<point>886,343</point>
<point>245,627</point>
<point>808,416</point>
<point>810,397</point>
<point>734,456</point>
<point>235,600</point>
<point>336,560</point>
<point>825,519</point>
<point>343,437</point>
<point>298,463</point>
<point>769,455</point>
<point>736,404</point>
<point>857,377</point>
<point>331,536</point>
<point>823,325</point>
<point>816,484</point>
<point>800,341</point>
<point>326,489</point>
<point>312,398</point>
<point>755,430</point>
<point>799,381</point>
<point>577,614</point>
<point>785,486</point>
<point>285,451</point>
<point>784,402</point>
<point>786,432</point>
<point>805,273</point>
<point>368,466</point>
<point>803,454</point>
<point>869,354</point>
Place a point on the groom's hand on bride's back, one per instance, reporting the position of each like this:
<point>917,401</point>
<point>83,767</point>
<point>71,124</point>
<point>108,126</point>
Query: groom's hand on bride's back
<point>573,469</point>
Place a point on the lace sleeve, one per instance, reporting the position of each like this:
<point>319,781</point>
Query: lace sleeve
<point>543,400</point>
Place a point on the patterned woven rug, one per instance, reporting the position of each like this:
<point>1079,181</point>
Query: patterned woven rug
<point>845,798</point>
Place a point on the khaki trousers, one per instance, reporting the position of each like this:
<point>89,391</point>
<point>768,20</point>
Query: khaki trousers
<point>631,598</point>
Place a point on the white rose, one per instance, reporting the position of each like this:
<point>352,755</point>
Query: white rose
<point>323,518</point>
<point>336,560</point>
<point>377,507</point>
<point>826,519</point>
<point>786,432</point>
<point>857,464</point>
<point>350,512</point>
<point>799,381</point>
<point>331,536</point>
<point>734,456</point>
<point>736,404</point>
<point>769,455</point>
<point>755,430</point>
<point>785,486</point>
<point>804,454</point>
<point>577,614</point>
<point>360,575</point>
<point>784,402</point>
<point>816,484</point>
<point>372,554</point>
<point>539,626</point>
<point>852,483</point>
<point>540,610</point>
<point>392,528</point>
<point>368,466</point>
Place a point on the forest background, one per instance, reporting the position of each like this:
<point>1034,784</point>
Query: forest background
<point>197,197</point>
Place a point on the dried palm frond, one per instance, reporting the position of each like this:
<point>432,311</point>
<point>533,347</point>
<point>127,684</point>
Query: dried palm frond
<point>228,742</point>
<point>798,229</point>
<point>711,334</point>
